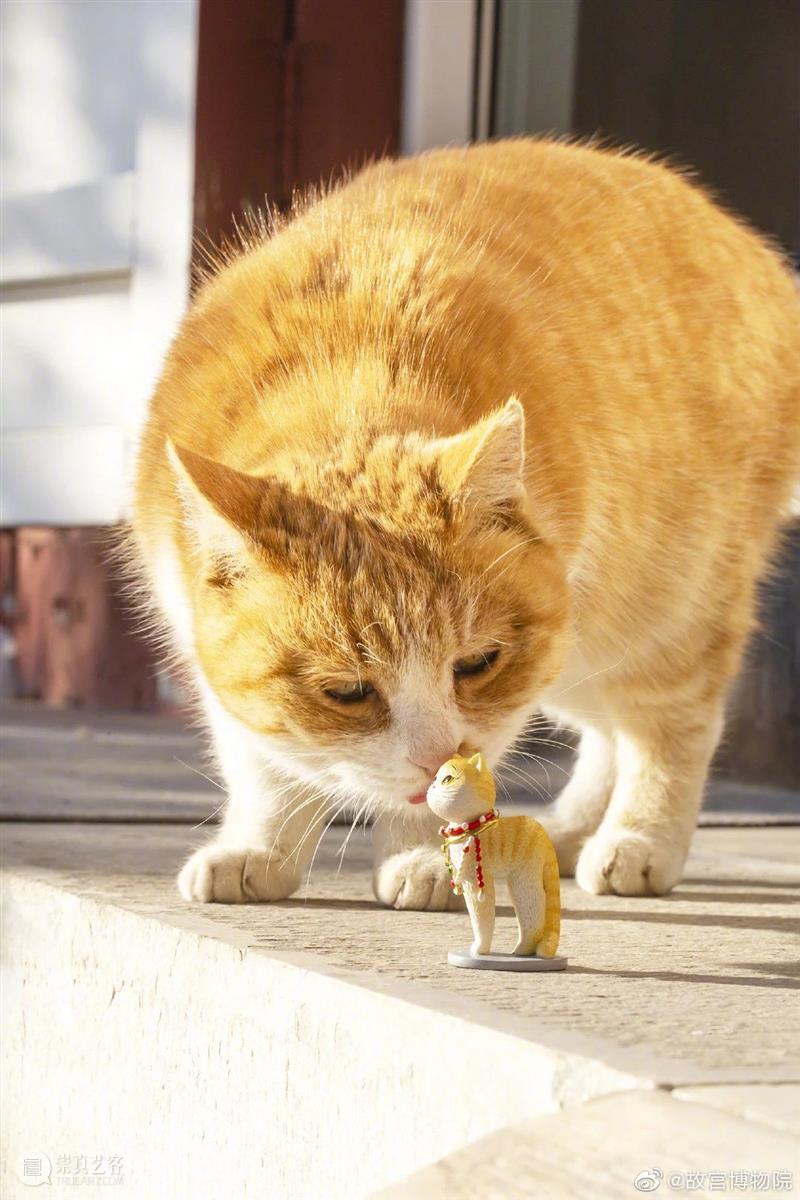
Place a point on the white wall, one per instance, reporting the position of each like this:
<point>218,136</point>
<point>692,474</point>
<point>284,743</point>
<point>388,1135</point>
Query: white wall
<point>96,177</point>
<point>438,73</point>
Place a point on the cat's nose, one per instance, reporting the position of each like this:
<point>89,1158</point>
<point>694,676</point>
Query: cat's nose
<point>431,760</point>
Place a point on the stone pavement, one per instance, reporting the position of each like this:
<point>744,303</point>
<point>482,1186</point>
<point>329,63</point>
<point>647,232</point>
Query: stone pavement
<point>82,765</point>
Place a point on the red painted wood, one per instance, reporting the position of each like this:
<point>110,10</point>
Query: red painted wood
<point>7,573</point>
<point>289,92</point>
<point>75,635</point>
<point>239,121</point>
<point>347,77</point>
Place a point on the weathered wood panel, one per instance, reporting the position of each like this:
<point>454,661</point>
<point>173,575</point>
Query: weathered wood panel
<point>345,79</point>
<point>287,92</point>
<point>75,634</point>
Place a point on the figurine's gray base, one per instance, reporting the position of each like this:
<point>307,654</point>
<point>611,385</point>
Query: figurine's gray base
<point>503,962</point>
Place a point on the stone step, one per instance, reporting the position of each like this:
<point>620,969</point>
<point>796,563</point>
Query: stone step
<point>321,1047</point>
<point>669,1146</point>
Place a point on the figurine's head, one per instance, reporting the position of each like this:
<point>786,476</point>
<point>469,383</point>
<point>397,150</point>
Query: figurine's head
<point>462,790</point>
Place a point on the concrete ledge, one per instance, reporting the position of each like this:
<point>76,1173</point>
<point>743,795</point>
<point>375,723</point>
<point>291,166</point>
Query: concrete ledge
<point>321,1047</point>
<point>216,1069</point>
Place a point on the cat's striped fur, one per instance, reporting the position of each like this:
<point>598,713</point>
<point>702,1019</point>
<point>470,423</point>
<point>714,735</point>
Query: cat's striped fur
<point>353,498</point>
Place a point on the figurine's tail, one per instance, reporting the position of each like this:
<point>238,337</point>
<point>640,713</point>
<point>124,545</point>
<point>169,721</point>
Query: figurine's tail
<point>548,945</point>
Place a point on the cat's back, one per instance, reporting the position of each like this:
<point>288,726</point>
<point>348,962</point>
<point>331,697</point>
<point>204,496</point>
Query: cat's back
<point>642,309</point>
<point>589,233</point>
<point>610,263</point>
<point>604,289</point>
<point>565,199</point>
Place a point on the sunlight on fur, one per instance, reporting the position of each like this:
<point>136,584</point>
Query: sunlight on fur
<point>476,434</point>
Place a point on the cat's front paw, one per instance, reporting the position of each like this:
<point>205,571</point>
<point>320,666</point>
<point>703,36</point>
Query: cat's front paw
<point>619,862</point>
<point>415,879</point>
<point>236,876</point>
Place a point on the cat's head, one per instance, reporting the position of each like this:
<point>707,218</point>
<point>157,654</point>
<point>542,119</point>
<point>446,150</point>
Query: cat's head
<point>463,789</point>
<point>365,613</point>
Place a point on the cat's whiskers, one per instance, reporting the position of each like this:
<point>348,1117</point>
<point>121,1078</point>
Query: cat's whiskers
<point>215,783</point>
<point>496,578</point>
<point>337,813</point>
<point>210,816</point>
<point>531,734</point>
<point>369,655</point>
<point>323,801</point>
<point>540,763</point>
<point>371,625</point>
<point>291,804</point>
<point>526,780</point>
<point>362,645</point>
<point>591,675</point>
<point>363,811</point>
<point>294,810</point>
<point>500,781</point>
<point>532,731</point>
<point>544,762</point>
<point>509,550</point>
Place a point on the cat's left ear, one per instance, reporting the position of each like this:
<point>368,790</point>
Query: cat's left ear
<point>478,762</point>
<point>221,505</point>
<point>485,464</point>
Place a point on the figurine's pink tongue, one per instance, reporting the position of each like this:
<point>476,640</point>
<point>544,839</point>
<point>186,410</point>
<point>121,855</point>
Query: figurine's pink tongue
<point>418,799</point>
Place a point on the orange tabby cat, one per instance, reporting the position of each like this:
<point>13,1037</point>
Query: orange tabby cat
<point>368,554</point>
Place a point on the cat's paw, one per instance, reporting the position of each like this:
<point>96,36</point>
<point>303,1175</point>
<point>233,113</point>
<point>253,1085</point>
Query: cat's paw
<point>415,879</point>
<point>235,876</point>
<point>622,863</point>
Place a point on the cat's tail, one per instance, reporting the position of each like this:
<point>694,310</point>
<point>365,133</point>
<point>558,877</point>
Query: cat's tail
<point>548,945</point>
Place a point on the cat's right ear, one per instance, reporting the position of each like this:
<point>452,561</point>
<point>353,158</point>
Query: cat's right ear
<point>486,463</point>
<point>221,505</point>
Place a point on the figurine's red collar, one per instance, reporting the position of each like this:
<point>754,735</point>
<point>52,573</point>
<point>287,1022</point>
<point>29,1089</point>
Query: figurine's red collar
<point>457,831</point>
<point>468,834</point>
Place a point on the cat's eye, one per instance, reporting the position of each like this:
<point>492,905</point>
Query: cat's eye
<point>350,693</point>
<point>447,779</point>
<point>475,664</point>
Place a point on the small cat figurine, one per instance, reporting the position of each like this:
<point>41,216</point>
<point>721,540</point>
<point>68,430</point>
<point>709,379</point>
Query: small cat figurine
<point>480,846</point>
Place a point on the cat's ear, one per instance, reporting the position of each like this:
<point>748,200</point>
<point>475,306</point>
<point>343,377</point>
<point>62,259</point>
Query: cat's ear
<point>485,464</point>
<point>478,762</point>
<point>222,505</point>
